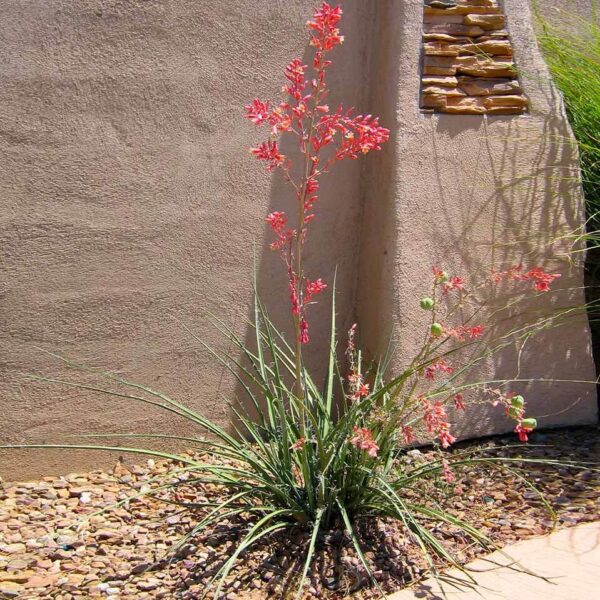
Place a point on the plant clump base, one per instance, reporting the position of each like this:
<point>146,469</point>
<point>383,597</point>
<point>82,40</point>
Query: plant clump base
<point>52,548</point>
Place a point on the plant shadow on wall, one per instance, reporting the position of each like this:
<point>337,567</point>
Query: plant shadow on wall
<point>571,46</point>
<point>521,204</point>
<point>321,464</point>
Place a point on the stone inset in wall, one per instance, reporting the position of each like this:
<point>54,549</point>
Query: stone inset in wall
<point>468,65</point>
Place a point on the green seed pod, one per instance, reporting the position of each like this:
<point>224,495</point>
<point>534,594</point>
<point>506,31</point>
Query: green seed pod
<point>427,303</point>
<point>513,411</point>
<point>518,401</point>
<point>436,330</point>
<point>443,277</point>
<point>529,423</point>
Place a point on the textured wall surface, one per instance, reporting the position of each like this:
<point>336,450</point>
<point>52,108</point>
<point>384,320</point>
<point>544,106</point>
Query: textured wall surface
<point>130,203</point>
<point>469,193</point>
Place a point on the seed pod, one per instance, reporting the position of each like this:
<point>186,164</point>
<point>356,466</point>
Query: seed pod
<point>427,303</point>
<point>514,412</point>
<point>436,330</point>
<point>518,401</point>
<point>529,423</point>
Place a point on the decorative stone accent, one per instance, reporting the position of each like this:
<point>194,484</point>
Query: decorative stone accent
<point>468,65</point>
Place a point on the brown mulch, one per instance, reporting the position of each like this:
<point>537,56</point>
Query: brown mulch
<point>50,546</point>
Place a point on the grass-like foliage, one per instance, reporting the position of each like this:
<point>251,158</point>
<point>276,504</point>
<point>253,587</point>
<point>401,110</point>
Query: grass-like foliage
<point>346,463</point>
<point>571,46</point>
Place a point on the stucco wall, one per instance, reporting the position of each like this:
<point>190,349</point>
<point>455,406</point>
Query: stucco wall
<point>131,203</point>
<point>470,193</point>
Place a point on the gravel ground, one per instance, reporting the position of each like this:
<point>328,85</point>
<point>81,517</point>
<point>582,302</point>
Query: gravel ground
<point>53,544</point>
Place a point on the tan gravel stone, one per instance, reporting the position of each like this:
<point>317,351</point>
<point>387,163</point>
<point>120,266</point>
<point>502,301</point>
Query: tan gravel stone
<point>11,589</point>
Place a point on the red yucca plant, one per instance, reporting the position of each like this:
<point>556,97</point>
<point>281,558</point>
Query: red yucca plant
<point>316,456</point>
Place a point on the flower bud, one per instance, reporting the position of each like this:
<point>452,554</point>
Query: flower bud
<point>436,330</point>
<point>529,423</point>
<point>517,401</point>
<point>427,303</point>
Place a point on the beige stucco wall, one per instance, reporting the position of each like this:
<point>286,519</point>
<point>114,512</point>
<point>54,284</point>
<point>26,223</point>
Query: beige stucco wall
<point>469,193</point>
<point>130,202</point>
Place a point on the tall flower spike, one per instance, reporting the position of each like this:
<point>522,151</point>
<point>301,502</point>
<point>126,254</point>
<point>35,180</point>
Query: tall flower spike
<point>305,114</point>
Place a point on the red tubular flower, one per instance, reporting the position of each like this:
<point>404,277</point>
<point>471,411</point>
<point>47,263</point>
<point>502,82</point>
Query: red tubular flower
<point>522,432</point>
<point>257,111</point>
<point>462,332</point>
<point>277,221</point>
<point>312,288</point>
<point>304,339</point>
<point>269,151</point>
<point>446,440</point>
<point>363,439</point>
<point>454,283</point>
<point>447,472</point>
<point>439,365</point>
<point>298,444</point>
<point>541,279</point>
<point>408,434</point>
<point>294,73</point>
<point>362,134</point>
<point>436,421</point>
<point>326,35</point>
<point>458,402</point>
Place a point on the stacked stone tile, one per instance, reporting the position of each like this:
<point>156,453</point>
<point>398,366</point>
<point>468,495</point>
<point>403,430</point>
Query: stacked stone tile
<point>468,65</point>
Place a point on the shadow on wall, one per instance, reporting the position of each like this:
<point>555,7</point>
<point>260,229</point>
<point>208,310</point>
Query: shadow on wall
<point>531,217</point>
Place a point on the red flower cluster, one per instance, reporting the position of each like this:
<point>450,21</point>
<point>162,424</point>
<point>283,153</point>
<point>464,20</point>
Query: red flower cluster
<point>463,332</point>
<point>324,34</point>
<point>436,421</point>
<point>447,472</point>
<point>522,430</point>
<point>305,115</point>
<point>454,283</point>
<point>408,434</point>
<point>439,365</point>
<point>363,439</point>
<point>278,221</point>
<point>298,444</point>
<point>541,279</point>
<point>459,403</point>
<point>269,152</point>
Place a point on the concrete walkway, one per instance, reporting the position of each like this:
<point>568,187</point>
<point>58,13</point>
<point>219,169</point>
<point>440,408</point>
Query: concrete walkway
<point>570,558</point>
